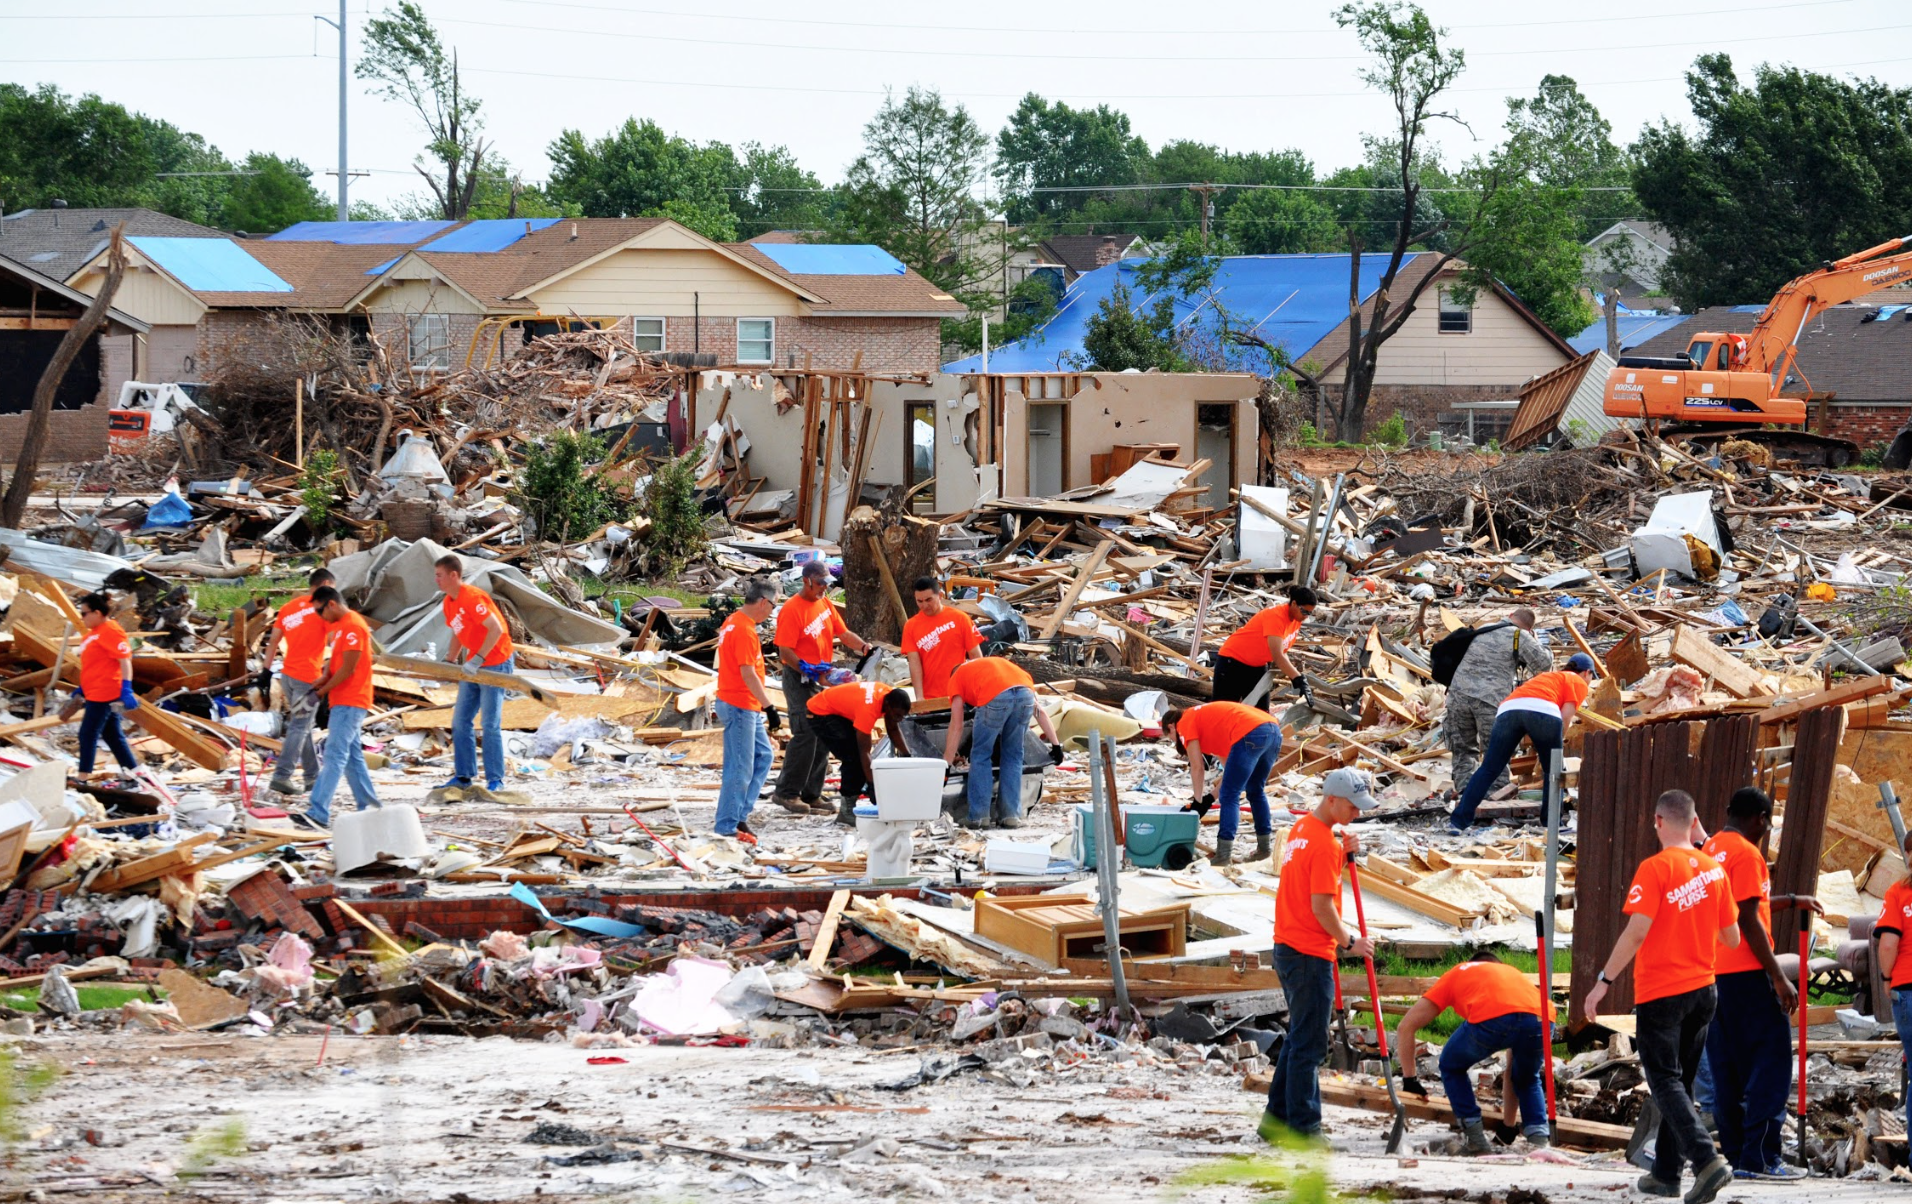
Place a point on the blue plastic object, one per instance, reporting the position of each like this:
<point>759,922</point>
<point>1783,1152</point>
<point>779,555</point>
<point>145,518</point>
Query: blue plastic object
<point>169,511</point>
<point>1292,301</point>
<point>1634,330</point>
<point>488,234</point>
<point>831,259</point>
<point>210,265</point>
<point>361,233</point>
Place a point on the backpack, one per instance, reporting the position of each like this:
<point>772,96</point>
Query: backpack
<point>1445,657</point>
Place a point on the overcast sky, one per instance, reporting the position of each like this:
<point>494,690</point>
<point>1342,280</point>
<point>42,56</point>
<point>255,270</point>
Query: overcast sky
<point>1249,76</point>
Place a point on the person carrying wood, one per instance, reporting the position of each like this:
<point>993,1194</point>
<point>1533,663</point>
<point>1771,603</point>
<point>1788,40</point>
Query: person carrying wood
<point>1261,642</point>
<point>1309,937</point>
<point>1004,699</point>
<point>1246,740</point>
<point>1894,954</point>
<point>1749,1044</point>
<point>106,677</point>
<point>844,718</point>
<point>1682,912</point>
<point>937,638</point>
<point>1499,1010</point>
<point>301,630</point>
<point>1496,657</point>
<point>480,640</point>
<point>745,711</point>
<point>1538,711</point>
<point>347,686</point>
<point>808,627</point>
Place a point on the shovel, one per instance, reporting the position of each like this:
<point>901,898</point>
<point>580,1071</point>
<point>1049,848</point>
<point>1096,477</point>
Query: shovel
<point>1342,1046</point>
<point>1546,1017</point>
<point>1399,1128</point>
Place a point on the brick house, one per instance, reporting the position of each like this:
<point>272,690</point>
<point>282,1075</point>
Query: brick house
<point>36,311</point>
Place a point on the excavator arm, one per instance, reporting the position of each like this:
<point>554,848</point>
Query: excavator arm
<point>1770,346</point>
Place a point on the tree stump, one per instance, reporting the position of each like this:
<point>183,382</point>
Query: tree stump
<point>884,552</point>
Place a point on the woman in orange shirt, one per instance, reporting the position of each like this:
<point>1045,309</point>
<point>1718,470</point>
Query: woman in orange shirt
<point>106,677</point>
<point>1539,710</point>
<point>1261,645</point>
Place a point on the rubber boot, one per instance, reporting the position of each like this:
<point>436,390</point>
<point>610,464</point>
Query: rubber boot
<point>1539,1139</point>
<point>846,813</point>
<point>1474,1141</point>
<point>1264,846</point>
<point>1224,853</point>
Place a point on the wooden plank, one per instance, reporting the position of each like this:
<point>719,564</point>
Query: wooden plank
<point>145,869</point>
<point>1090,567</point>
<point>187,743</point>
<point>1840,695</point>
<point>378,934</point>
<point>525,714</point>
<point>827,930</point>
<point>1580,1134</point>
<point>1417,901</point>
<point>32,725</point>
<point>1734,676</point>
<point>416,666</point>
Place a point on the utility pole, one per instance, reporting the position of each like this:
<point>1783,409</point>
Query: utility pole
<point>1207,193</point>
<point>345,212</point>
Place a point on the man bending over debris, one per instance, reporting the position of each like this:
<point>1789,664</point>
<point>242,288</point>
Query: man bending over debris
<point>301,629</point>
<point>347,685</point>
<point>1004,699</point>
<point>479,638</point>
<point>1681,907</point>
<point>1499,1010</point>
<point>744,710</point>
<point>1497,654</point>
<point>1246,741</point>
<point>844,717</point>
<point>1540,710</point>
<point>1259,643</point>
<point>1309,935</point>
<point>808,627</point>
<point>937,638</point>
<point>106,677</point>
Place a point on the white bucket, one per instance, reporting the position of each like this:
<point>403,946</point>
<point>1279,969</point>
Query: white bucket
<point>908,787</point>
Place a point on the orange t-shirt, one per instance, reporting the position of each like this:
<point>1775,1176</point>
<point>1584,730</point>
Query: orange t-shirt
<point>1483,990</point>
<point>1684,891</point>
<point>1311,863</point>
<point>1219,725</point>
<point>1547,693</point>
<point>941,642</point>
<point>351,634</point>
<point>861,702</point>
<point>810,629</point>
<point>737,646</point>
<point>1249,644</point>
<point>1746,878</point>
<point>1896,917</point>
<point>978,682</point>
<point>467,611</point>
<point>304,633</point>
<point>101,652</point>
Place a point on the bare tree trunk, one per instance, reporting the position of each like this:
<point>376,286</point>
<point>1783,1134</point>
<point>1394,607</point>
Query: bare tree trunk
<point>1612,308</point>
<point>14,507</point>
<point>1351,413</point>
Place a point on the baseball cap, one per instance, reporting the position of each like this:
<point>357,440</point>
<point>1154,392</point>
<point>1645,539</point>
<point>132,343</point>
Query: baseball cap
<point>1579,662</point>
<point>1353,785</point>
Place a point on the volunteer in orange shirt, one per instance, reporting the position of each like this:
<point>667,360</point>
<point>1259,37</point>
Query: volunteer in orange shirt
<point>937,638</point>
<point>1260,642</point>
<point>744,710</point>
<point>1749,1045</point>
<point>1895,954</point>
<point>1246,741</point>
<point>1539,709</point>
<point>1499,1010</point>
<point>347,685</point>
<point>1682,913</point>
<point>303,634</point>
<point>808,627</point>
<point>844,717</point>
<point>1004,699</point>
<point>480,641</point>
<point>1309,936</point>
<point>106,677</point>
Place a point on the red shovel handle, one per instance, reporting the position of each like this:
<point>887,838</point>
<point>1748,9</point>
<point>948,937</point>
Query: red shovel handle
<point>1805,975</point>
<point>1374,983</point>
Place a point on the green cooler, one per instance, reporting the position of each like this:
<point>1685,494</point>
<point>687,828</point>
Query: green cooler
<point>1157,837</point>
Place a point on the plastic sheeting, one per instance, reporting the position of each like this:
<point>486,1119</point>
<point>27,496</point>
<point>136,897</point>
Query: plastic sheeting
<point>361,233</point>
<point>1634,330</point>
<point>1292,301</point>
<point>210,265</point>
<point>488,234</point>
<point>88,570</point>
<point>831,259</point>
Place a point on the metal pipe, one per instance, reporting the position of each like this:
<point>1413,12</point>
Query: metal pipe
<point>1327,528</point>
<point>1107,867</point>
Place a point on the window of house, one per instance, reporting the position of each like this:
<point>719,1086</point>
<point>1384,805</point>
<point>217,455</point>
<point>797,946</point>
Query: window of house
<point>647,334</point>
<point>1455,317</point>
<point>430,341</point>
<point>756,340</point>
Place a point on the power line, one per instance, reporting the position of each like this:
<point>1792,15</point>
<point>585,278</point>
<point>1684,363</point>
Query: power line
<point>1275,187</point>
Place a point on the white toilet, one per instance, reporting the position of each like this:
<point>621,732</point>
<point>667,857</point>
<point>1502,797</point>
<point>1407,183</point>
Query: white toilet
<point>909,791</point>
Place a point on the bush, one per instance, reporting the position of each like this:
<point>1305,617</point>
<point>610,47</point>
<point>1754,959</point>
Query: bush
<point>565,498</point>
<point>677,533</point>
<point>318,488</point>
<point>1392,433</point>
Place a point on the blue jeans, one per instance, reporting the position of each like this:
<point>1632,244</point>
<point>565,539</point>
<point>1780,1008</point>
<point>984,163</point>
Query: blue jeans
<point>487,704</point>
<point>1249,764</point>
<point>302,707</point>
<point>99,719</point>
<point>747,758</point>
<point>344,758</point>
<point>1902,1020</point>
<point>995,753</point>
<point>1542,731</point>
<point>1517,1032</point>
<point>1294,1098</point>
<point>1749,1050</point>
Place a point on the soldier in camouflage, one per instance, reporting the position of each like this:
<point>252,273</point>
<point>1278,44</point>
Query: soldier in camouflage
<point>1498,659</point>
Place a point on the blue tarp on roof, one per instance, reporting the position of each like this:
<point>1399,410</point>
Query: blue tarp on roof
<point>831,259</point>
<point>488,234</point>
<point>1634,330</point>
<point>1292,301</point>
<point>210,265</point>
<point>361,233</point>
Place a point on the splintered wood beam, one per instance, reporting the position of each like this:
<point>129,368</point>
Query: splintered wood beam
<point>1090,568</point>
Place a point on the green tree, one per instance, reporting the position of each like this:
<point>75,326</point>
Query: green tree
<point>912,190</point>
<point>278,195</point>
<point>86,151</point>
<point>638,170</point>
<point>771,191</point>
<point>1120,336</point>
<point>1559,138</point>
<point>1027,309</point>
<point>1053,145</point>
<point>1779,177</point>
<point>1278,222</point>
<point>404,57</point>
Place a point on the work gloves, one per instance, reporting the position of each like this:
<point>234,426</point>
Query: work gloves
<point>1202,805</point>
<point>772,719</point>
<point>1411,1084</point>
<point>1055,754</point>
<point>127,698</point>
<point>1302,688</point>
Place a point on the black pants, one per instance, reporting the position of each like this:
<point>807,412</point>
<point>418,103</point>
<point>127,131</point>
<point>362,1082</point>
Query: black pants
<point>1672,1032</point>
<point>838,735</point>
<point>101,719</point>
<point>804,761</point>
<point>1233,680</point>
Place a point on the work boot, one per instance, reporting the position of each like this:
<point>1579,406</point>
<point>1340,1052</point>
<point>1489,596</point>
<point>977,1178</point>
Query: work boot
<point>1009,821</point>
<point>283,786</point>
<point>1656,1187</point>
<point>1264,846</point>
<point>1708,1180</point>
<point>1474,1140</point>
<point>1538,1139</point>
<point>846,813</point>
<point>1224,853</point>
<point>792,804</point>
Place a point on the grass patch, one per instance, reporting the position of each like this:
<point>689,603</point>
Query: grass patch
<point>92,998</point>
<point>224,597</point>
<point>628,592</point>
<point>1390,962</point>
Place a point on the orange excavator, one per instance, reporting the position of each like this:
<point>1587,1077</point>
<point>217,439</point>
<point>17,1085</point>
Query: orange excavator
<point>1728,385</point>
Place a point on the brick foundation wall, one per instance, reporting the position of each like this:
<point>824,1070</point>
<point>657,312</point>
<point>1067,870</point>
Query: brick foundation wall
<point>72,435</point>
<point>1866,425</point>
<point>887,344</point>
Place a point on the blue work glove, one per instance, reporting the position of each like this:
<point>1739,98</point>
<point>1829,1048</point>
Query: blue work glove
<point>128,699</point>
<point>812,671</point>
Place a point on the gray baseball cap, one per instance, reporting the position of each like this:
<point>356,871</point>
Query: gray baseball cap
<point>1353,785</point>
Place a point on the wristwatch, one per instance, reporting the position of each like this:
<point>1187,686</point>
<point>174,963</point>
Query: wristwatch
<point>1602,977</point>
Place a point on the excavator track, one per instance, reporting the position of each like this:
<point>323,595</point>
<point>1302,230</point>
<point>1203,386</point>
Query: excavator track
<point>1804,447</point>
